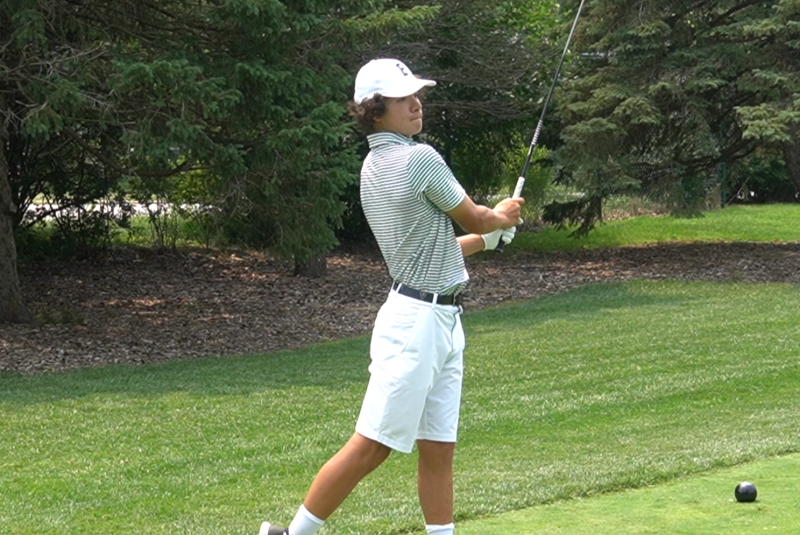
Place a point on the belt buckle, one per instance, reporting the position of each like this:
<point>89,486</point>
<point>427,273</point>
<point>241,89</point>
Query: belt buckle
<point>423,296</point>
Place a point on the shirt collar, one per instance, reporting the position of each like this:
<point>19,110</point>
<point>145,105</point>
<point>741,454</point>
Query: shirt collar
<point>384,139</point>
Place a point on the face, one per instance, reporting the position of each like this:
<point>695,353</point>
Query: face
<point>403,116</point>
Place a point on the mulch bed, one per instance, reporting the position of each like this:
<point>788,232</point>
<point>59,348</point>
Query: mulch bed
<point>138,306</point>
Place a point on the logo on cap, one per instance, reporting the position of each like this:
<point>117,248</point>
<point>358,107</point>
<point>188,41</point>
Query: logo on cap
<point>402,68</point>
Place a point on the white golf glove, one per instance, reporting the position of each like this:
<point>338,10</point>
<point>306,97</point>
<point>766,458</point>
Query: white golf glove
<point>491,240</point>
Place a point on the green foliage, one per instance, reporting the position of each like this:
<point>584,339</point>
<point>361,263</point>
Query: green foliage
<point>762,178</point>
<point>75,232</point>
<point>778,79</point>
<point>242,100</point>
<point>666,92</point>
<point>768,122</point>
<point>538,183</point>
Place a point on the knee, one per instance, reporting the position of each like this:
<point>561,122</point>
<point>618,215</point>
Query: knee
<point>375,456</point>
<point>369,453</point>
<point>436,455</point>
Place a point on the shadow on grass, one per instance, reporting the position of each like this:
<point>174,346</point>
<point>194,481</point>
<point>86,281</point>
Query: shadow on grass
<point>331,366</point>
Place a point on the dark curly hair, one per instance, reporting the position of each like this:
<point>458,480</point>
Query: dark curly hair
<point>367,113</point>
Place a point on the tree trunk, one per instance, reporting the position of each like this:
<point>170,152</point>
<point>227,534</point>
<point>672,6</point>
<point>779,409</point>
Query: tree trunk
<point>314,267</point>
<point>791,153</point>
<point>12,308</point>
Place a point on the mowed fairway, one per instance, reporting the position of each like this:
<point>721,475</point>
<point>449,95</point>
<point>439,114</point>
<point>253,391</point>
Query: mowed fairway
<point>599,390</point>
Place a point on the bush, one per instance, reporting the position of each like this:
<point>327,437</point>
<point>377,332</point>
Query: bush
<point>763,178</point>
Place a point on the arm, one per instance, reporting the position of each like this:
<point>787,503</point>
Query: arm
<point>471,216</point>
<point>478,219</point>
<point>474,243</point>
<point>471,244</point>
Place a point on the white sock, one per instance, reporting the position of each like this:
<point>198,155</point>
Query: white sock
<point>305,523</point>
<point>437,529</point>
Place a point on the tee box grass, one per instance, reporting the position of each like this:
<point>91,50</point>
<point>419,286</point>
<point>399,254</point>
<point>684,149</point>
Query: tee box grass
<point>696,505</point>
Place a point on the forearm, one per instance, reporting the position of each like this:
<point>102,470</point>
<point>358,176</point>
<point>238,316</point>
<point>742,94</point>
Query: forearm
<point>479,219</point>
<point>488,221</point>
<point>471,244</point>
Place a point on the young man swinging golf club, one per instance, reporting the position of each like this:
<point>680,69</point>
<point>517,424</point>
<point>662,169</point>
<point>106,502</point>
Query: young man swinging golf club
<point>410,197</point>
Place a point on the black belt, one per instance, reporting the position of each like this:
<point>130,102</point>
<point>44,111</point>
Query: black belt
<point>450,299</point>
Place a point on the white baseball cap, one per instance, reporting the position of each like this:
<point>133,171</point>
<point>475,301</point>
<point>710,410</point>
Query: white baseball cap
<point>389,77</point>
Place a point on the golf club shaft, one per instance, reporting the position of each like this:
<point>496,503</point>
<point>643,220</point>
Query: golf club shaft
<point>521,181</point>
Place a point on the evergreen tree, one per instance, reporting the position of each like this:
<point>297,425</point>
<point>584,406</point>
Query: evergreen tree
<point>659,94</point>
<point>245,97</point>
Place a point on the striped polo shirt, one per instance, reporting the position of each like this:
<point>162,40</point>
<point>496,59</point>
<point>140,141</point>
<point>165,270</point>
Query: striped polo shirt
<point>406,188</point>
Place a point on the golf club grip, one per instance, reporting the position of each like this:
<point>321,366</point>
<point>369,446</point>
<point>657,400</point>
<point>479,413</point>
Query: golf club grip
<point>518,187</point>
<point>517,193</point>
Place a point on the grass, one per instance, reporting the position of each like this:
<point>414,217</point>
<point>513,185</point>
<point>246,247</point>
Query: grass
<point>762,223</point>
<point>700,504</point>
<point>599,390</point>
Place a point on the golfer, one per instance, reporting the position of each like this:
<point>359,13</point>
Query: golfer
<point>410,198</point>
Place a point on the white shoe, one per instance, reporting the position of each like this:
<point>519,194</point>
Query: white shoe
<point>269,529</point>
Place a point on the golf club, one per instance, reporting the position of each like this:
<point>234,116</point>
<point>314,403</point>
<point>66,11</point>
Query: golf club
<point>523,174</point>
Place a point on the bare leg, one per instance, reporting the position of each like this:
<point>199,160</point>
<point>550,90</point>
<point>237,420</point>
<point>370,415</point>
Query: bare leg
<point>435,480</point>
<point>340,475</point>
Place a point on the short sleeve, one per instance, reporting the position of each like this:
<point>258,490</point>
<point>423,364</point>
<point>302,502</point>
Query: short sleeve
<point>430,175</point>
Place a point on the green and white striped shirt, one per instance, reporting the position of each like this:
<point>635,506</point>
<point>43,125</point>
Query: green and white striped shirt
<point>406,188</point>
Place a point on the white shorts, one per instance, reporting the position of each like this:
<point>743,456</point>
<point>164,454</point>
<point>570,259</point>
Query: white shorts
<point>414,390</point>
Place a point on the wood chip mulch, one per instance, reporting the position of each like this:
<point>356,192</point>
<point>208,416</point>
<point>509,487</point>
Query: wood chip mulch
<point>137,306</point>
